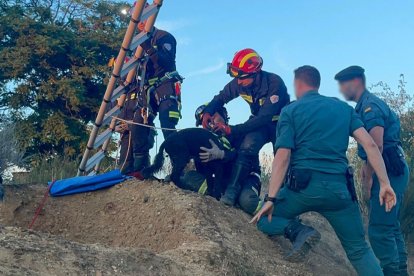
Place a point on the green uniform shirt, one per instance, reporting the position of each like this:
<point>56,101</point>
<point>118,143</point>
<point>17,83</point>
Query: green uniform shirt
<point>317,129</point>
<point>375,112</point>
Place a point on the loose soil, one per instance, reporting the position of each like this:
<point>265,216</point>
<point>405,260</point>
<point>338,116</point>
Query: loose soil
<point>147,228</point>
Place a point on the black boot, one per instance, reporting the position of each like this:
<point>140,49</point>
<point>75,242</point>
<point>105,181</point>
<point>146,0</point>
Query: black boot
<point>141,161</point>
<point>239,172</point>
<point>303,238</point>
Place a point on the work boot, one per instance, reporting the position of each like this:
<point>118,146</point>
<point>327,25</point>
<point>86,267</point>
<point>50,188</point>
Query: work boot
<point>233,189</point>
<point>141,161</point>
<point>303,238</point>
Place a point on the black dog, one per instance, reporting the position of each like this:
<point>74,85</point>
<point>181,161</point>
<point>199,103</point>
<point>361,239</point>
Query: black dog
<point>183,146</point>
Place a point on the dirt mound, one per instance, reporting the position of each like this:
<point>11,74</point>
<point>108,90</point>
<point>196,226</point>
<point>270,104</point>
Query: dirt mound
<point>191,234</point>
<point>128,215</point>
<point>30,253</point>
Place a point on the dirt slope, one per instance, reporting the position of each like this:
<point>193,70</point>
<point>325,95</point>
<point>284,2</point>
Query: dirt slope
<point>143,228</point>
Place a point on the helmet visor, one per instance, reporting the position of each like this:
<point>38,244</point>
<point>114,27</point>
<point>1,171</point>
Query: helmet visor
<point>236,72</point>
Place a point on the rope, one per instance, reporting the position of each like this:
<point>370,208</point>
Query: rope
<point>42,204</point>
<point>127,155</point>
<point>144,125</point>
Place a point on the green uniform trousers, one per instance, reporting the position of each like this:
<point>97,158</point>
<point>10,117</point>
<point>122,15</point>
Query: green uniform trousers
<point>384,229</point>
<point>328,195</point>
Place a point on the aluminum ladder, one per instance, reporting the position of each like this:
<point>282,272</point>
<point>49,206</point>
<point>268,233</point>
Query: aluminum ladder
<point>131,42</point>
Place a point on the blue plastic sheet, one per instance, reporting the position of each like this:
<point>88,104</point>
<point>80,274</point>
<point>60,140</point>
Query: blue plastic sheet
<point>83,184</point>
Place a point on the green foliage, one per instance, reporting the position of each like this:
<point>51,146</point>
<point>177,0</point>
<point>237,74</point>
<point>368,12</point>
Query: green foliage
<point>54,70</point>
<point>55,167</point>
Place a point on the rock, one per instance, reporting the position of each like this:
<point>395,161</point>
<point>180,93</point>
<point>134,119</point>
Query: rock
<point>146,198</point>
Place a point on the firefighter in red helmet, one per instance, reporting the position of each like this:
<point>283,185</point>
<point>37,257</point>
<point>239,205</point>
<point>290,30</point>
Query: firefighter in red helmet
<point>266,94</point>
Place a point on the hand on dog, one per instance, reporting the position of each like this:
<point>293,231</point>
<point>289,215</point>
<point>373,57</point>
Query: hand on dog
<point>214,153</point>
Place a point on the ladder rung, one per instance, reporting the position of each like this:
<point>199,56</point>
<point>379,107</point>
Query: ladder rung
<point>102,138</point>
<point>95,159</point>
<point>138,39</point>
<point>108,116</point>
<point>92,173</point>
<point>131,64</point>
<point>117,93</point>
<point>148,11</point>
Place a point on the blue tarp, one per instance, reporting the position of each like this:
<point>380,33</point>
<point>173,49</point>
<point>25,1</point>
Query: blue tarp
<point>82,184</point>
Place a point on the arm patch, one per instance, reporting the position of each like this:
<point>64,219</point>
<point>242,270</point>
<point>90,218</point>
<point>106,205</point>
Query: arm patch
<point>368,109</point>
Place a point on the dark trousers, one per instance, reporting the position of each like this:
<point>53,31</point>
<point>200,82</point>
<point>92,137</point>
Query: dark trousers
<point>126,157</point>
<point>168,109</point>
<point>328,195</point>
<point>384,228</point>
<point>253,142</point>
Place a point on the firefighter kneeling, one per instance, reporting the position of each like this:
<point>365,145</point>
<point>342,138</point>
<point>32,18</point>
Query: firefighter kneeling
<point>266,94</point>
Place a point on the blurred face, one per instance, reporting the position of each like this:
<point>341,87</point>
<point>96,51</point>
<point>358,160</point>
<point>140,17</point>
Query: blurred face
<point>141,25</point>
<point>300,88</point>
<point>349,89</point>
<point>245,82</point>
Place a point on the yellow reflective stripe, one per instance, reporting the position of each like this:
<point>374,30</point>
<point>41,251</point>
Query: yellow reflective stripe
<point>203,188</point>
<point>275,118</point>
<point>174,114</point>
<point>225,142</point>
<point>246,57</point>
<point>261,101</point>
<point>247,98</point>
<point>152,81</point>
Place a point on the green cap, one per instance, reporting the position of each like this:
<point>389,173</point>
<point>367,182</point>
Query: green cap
<point>350,73</point>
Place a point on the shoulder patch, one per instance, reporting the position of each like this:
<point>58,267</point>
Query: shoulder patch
<point>274,99</point>
<point>368,109</point>
<point>167,46</point>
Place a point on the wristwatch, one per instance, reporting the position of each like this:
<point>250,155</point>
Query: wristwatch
<point>268,198</point>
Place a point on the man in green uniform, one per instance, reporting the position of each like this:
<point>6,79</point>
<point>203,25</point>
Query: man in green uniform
<point>312,137</point>
<point>383,125</point>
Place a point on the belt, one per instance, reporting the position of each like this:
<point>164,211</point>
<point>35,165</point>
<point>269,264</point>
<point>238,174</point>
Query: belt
<point>155,82</point>
<point>328,176</point>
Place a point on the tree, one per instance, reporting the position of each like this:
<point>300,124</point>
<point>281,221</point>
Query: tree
<point>53,72</point>
<point>403,104</point>
<point>10,153</point>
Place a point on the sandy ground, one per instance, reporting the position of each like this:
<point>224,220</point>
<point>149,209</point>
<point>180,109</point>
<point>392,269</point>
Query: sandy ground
<point>147,228</point>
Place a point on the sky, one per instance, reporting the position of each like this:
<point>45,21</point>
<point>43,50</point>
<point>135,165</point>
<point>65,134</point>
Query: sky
<point>330,35</point>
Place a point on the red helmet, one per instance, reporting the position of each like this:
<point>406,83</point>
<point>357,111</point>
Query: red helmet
<point>245,62</point>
